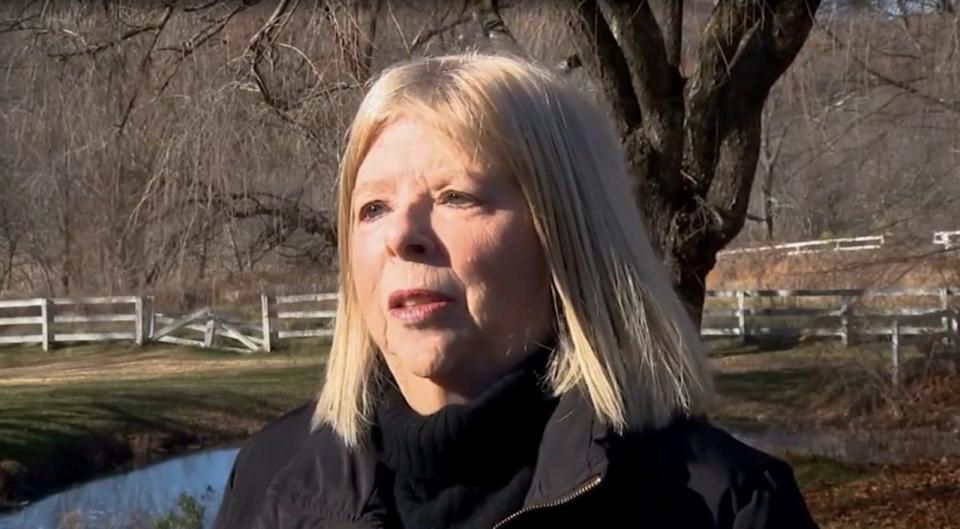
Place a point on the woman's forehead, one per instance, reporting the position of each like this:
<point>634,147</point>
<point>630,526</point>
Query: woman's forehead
<point>410,148</point>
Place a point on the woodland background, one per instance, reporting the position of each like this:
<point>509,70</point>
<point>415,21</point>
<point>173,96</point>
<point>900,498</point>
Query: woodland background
<point>140,152</point>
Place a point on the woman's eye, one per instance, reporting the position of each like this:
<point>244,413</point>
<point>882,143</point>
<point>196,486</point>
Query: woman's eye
<point>457,198</point>
<point>372,210</point>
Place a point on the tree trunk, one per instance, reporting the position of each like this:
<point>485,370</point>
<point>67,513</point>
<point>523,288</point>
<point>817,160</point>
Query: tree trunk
<point>692,144</point>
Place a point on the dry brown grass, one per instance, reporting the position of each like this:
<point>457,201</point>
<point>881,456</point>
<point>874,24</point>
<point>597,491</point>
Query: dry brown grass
<point>828,270</point>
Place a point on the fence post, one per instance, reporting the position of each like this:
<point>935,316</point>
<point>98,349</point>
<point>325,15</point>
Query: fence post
<point>845,324</point>
<point>741,317</point>
<point>138,320</point>
<point>953,334</point>
<point>895,353</point>
<point>46,313</point>
<point>265,313</point>
<point>210,332</point>
<point>944,306</point>
<point>148,318</point>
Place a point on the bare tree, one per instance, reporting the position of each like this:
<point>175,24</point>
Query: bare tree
<point>692,142</point>
<point>197,142</point>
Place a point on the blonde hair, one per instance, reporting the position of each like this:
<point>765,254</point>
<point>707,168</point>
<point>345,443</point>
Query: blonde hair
<point>624,339</point>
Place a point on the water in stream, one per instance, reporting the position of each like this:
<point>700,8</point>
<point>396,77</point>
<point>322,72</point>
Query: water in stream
<point>865,446</point>
<point>115,502</point>
<point>110,502</point>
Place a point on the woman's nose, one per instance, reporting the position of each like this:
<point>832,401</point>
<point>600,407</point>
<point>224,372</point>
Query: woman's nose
<point>410,235</point>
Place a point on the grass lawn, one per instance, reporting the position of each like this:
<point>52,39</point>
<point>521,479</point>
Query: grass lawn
<point>67,414</point>
<point>808,382</point>
<point>818,385</point>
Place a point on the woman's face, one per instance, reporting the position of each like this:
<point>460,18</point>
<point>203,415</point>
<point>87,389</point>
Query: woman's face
<point>447,266</point>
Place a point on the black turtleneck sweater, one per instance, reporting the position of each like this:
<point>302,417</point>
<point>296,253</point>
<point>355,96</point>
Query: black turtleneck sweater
<point>465,466</point>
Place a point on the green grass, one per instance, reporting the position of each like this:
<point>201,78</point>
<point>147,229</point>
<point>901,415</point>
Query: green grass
<point>13,356</point>
<point>785,387</point>
<point>818,472</point>
<point>802,377</point>
<point>40,421</point>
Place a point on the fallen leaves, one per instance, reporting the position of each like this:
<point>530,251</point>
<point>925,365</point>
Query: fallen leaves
<point>920,496</point>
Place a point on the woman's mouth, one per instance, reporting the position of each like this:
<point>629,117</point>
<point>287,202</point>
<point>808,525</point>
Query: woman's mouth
<point>417,305</point>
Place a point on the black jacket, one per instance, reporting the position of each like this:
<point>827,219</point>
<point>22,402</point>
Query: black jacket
<point>689,475</point>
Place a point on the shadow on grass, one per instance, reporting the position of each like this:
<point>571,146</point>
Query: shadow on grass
<point>722,348</point>
<point>72,432</point>
<point>788,387</point>
<point>821,472</point>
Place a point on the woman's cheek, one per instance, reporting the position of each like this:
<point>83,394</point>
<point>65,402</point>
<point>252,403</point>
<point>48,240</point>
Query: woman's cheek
<point>492,268</point>
<point>366,269</point>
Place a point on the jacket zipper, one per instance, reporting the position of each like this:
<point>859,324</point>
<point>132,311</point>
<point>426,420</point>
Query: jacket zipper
<point>584,488</point>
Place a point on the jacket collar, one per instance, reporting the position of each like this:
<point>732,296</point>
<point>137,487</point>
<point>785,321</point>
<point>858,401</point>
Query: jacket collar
<point>327,484</point>
<point>572,450</point>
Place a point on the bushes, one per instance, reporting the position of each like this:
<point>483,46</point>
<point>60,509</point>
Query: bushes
<point>188,514</point>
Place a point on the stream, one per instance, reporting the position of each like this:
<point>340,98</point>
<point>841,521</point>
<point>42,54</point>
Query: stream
<point>131,500</point>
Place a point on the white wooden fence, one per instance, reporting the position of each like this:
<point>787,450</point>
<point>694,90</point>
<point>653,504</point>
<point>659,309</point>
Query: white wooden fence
<point>948,239</point>
<point>842,313</point>
<point>136,313</point>
<point>872,242</point>
<point>286,309</point>
<point>42,321</point>
<point>845,314</point>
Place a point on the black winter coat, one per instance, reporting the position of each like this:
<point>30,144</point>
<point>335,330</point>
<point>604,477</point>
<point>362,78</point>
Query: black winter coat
<point>689,475</point>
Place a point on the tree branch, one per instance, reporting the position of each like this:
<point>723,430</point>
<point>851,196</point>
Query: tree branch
<point>199,38</point>
<point>768,50</point>
<point>729,96</point>
<point>487,14</point>
<point>204,34</point>
<point>356,35</point>
<point>262,41</point>
<point>601,55</point>
<point>144,63</point>
<point>721,37</point>
<point>291,214</point>
<point>103,46</point>
<point>658,87</point>
<point>19,23</point>
<point>423,37</point>
<point>201,7</point>
<point>675,33</point>
<point>656,83</point>
<point>274,24</point>
<point>953,105</point>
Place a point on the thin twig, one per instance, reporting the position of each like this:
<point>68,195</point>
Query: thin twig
<point>952,105</point>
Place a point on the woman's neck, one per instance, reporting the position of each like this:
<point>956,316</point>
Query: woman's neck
<point>427,395</point>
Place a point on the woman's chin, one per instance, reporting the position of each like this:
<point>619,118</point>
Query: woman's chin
<point>425,364</point>
<point>424,354</point>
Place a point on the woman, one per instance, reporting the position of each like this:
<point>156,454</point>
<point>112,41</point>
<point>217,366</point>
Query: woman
<point>507,352</point>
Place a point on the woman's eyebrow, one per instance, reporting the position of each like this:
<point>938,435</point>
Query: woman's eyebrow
<point>373,186</point>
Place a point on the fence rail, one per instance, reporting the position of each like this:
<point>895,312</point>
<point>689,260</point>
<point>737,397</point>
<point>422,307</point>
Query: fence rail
<point>871,242</point>
<point>948,239</point>
<point>42,326</point>
<point>843,319</point>
<point>133,318</point>
<point>847,315</point>
<point>842,313</point>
